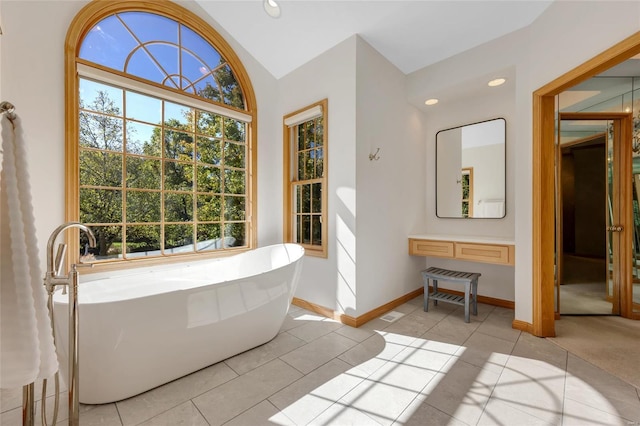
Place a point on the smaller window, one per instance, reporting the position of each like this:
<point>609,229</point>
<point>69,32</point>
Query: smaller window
<point>305,159</point>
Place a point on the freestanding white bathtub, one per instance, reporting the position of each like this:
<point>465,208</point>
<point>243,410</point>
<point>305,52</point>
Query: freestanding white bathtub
<point>149,326</point>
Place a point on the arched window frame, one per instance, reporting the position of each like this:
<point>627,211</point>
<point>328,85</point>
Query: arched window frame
<point>83,22</point>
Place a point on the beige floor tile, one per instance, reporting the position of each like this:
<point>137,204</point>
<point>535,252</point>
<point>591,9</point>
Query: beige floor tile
<point>185,414</point>
<point>436,313</point>
<point>407,308</point>
<point>455,326</point>
<point>311,330</point>
<point>403,376</point>
<point>532,347</point>
<point>532,386</point>
<point>483,312</point>
<point>283,343</point>
<point>614,397</point>
<point>417,301</point>
<point>437,335</point>
<point>261,414</point>
<point>463,391</point>
<point>382,402</point>
<point>12,398</point>
<point>358,334</point>
<point>485,351</point>
<point>578,414</point>
<point>306,398</point>
<point>293,309</point>
<point>290,323</point>
<point>420,414</point>
<point>590,373</point>
<point>104,414</point>
<point>342,415</point>
<point>14,417</point>
<point>371,354</point>
<point>436,344</point>
<point>412,325</point>
<point>498,413</point>
<point>11,417</point>
<point>226,401</point>
<point>375,325</point>
<point>498,324</point>
<point>149,404</point>
<point>422,358</point>
<point>312,355</point>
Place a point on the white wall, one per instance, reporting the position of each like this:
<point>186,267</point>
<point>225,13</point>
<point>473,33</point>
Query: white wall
<point>32,78</point>
<point>329,282</point>
<point>389,200</point>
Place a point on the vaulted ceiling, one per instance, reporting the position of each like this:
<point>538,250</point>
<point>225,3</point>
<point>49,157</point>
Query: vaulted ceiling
<point>411,34</point>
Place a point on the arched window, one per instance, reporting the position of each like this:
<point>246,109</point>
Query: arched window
<point>160,134</point>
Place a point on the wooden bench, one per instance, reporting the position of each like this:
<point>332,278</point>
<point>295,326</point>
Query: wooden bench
<point>470,280</point>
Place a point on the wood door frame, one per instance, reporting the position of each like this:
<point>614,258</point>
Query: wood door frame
<point>543,320</point>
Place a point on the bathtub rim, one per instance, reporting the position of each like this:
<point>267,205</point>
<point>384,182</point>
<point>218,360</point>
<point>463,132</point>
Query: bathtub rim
<point>295,252</point>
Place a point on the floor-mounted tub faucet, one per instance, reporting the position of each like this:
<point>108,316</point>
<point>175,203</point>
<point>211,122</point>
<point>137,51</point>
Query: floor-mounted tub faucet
<point>53,278</point>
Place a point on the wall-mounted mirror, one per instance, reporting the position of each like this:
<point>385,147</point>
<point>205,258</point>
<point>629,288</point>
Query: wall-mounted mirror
<point>470,170</point>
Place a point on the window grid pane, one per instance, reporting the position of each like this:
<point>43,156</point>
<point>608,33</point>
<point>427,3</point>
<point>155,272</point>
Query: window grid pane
<point>162,51</point>
<point>161,194</point>
<point>308,160</point>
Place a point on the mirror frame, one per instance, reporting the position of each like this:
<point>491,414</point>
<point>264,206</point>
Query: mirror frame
<point>504,171</point>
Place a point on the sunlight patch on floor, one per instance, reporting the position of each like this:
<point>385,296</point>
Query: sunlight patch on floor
<point>407,373</point>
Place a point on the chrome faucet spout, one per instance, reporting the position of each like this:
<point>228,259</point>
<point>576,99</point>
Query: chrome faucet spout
<point>54,266</point>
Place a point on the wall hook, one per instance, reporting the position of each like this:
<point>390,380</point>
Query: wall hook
<point>374,156</point>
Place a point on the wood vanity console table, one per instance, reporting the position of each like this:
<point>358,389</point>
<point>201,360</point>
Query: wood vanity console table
<point>475,249</point>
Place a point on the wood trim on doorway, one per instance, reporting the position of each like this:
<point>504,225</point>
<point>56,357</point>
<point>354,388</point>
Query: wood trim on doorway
<point>543,323</point>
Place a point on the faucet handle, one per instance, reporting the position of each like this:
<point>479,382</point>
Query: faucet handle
<point>59,261</point>
<point>75,266</point>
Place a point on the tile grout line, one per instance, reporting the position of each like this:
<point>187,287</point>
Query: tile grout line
<point>484,407</point>
<point>199,412</point>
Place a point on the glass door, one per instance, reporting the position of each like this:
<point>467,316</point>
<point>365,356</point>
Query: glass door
<point>597,240</point>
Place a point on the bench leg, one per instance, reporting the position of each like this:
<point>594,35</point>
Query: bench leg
<point>475,297</point>
<point>435,290</point>
<point>425,305</point>
<point>467,289</point>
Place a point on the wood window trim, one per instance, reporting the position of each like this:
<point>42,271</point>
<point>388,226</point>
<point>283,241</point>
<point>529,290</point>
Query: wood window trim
<point>87,18</point>
<point>317,251</point>
<point>543,227</point>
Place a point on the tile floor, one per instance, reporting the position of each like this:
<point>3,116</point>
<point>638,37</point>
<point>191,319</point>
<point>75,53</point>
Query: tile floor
<point>422,369</point>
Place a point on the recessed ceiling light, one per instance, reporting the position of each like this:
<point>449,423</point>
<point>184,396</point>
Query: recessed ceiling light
<point>272,8</point>
<point>431,101</point>
<point>497,82</point>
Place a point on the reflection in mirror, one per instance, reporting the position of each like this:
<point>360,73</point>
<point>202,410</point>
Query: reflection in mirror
<point>470,170</point>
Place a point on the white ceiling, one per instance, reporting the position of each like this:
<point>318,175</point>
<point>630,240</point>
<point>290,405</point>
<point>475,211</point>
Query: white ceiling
<point>411,34</point>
